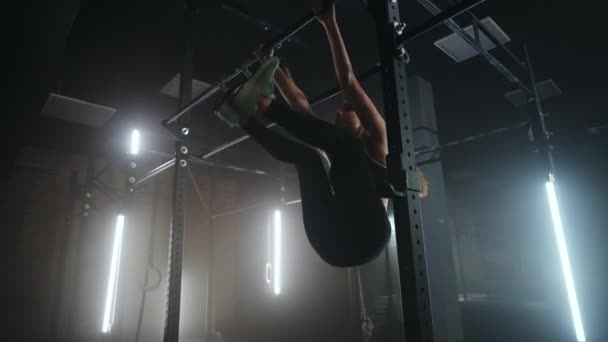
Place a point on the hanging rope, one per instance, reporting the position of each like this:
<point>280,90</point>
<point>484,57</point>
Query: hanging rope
<point>367,326</point>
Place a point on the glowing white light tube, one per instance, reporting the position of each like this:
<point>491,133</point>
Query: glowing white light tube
<point>565,261</point>
<point>277,269</point>
<point>135,142</point>
<point>110,304</point>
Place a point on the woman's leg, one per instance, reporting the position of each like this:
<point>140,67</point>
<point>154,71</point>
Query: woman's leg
<point>361,213</point>
<point>281,146</point>
<point>318,205</point>
<point>254,98</point>
<point>305,126</point>
<point>336,239</point>
<point>361,230</point>
<point>348,226</point>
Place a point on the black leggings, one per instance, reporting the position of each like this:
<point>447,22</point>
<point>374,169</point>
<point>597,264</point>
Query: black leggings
<point>344,218</point>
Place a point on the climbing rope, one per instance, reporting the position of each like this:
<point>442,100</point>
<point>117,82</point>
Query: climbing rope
<point>367,326</point>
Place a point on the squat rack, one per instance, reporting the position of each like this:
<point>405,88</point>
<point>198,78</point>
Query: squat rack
<point>391,35</point>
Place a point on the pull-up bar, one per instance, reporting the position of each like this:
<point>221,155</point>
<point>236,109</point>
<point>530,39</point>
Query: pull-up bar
<point>444,17</point>
<point>277,41</point>
<point>274,43</point>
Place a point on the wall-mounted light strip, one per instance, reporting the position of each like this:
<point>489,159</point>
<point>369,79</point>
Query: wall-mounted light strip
<point>565,260</point>
<point>110,304</point>
<point>277,267</point>
<point>135,142</point>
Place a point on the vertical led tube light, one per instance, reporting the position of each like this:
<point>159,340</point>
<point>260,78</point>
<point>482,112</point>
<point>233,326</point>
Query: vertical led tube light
<point>110,303</point>
<point>278,253</point>
<point>135,137</point>
<point>565,260</point>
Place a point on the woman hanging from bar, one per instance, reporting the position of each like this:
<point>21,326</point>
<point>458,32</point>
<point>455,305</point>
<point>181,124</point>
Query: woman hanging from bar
<point>341,167</point>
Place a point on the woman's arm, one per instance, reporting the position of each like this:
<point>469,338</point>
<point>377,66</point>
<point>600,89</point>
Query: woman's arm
<point>370,118</point>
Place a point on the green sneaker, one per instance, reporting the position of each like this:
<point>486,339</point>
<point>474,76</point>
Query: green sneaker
<point>243,104</point>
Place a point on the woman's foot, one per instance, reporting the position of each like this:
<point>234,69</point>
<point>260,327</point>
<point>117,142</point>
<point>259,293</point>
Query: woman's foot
<point>244,104</point>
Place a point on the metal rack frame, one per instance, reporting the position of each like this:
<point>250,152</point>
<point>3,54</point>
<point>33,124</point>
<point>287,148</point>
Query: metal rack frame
<point>401,161</point>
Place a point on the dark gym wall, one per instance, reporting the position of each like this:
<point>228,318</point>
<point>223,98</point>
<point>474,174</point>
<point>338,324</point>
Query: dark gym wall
<point>38,32</point>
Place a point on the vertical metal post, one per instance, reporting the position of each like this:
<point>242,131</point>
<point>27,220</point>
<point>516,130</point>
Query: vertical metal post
<point>57,331</point>
<point>83,230</point>
<point>176,239</point>
<point>401,168</point>
<point>150,261</point>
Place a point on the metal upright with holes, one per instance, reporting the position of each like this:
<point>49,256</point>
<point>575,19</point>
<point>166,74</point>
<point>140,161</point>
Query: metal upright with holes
<point>401,165</point>
<point>176,239</point>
